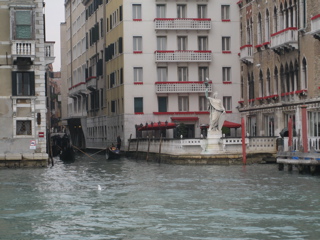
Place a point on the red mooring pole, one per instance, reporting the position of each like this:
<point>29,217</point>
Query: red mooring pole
<point>243,136</point>
<point>304,128</point>
<point>290,132</point>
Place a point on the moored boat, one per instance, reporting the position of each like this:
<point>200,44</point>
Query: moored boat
<point>112,153</point>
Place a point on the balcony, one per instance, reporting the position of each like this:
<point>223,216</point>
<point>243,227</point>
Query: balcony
<point>182,23</point>
<point>23,49</point>
<point>246,54</point>
<point>77,89</point>
<point>286,39</point>
<point>182,87</point>
<point>49,52</point>
<point>183,56</point>
<point>315,26</point>
<point>91,83</point>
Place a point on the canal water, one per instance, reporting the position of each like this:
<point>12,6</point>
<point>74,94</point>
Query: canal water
<point>141,200</point>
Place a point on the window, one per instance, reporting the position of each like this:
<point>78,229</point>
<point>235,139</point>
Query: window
<point>113,106</point>
<point>261,87</point>
<point>183,104</point>
<point>259,26</point>
<point>225,12</point>
<point>162,104</point>
<point>226,74</point>
<point>161,43</point>
<point>304,74</point>
<point>314,124</point>
<point>181,11</point>
<point>268,84</point>
<point>138,105</point>
<point>136,11</point>
<point>203,73</point>
<point>162,73</point>
<point>202,43</point>
<point>23,84</point>
<point>267,27</point>
<point>138,74</point>
<point>161,11</point>
<point>23,25</point>
<point>269,125</point>
<point>137,44</point>
<point>182,43</point>
<point>203,105</point>
<point>202,11</point>
<point>225,43</point>
<point>227,103</point>
<point>23,127</point>
<point>182,74</point>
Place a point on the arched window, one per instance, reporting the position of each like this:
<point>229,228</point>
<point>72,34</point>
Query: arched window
<point>242,88</point>
<point>293,86</point>
<point>261,90</point>
<point>276,81</point>
<point>282,79</point>
<point>304,74</point>
<point>259,40</point>
<point>275,20</point>
<point>267,27</point>
<point>303,13</point>
<point>281,17</point>
<point>268,84</point>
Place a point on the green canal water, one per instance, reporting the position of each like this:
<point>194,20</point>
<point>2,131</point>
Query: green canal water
<point>140,200</point>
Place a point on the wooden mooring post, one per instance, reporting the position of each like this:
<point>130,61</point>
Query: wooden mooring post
<point>129,144</point>
<point>137,148</point>
<point>147,158</point>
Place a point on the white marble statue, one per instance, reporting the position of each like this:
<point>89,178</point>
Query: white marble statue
<point>217,112</point>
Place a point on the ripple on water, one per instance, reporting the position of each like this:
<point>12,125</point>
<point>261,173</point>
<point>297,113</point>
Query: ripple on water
<point>140,200</point>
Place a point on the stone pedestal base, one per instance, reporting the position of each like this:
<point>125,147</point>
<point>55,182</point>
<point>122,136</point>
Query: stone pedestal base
<point>213,144</point>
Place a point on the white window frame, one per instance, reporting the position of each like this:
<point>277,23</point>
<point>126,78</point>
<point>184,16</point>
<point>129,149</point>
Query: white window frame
<point>138,74</point>
<point>162,74</point>
<point>227,103</point>
<point>226,42</point>
<point>225,12</point>
<point>183,74</point>
<point>226,74</point>
<point>136,11</point>
<point>183,103</point>
<point>137,43</point>
<point>161,10</point>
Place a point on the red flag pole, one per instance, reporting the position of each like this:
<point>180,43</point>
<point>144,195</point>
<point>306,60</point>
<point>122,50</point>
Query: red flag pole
<point>243,136</point>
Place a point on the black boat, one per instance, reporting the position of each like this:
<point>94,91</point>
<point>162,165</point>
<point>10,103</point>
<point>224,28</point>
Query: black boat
<point>61,145</point>
<point>112,153</point>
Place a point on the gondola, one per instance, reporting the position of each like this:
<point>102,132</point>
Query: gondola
<point>112,153</point>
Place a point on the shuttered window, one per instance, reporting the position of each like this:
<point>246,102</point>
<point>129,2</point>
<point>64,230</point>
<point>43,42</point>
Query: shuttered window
<point>23,24</point>
<point>23,84</point>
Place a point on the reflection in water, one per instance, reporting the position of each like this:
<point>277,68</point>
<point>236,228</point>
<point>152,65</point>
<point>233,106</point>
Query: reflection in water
<point>140,200</point>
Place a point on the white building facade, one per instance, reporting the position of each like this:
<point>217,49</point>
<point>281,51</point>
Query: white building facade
<point>147,62</point>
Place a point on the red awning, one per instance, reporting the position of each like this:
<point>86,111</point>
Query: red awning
<point>185,119</point>
<point>225,124</point>
<point>156,126</point>
<point>231,124</point>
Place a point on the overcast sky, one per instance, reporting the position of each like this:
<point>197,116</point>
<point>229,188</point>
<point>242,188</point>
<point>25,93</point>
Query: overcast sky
<point>54,11</point>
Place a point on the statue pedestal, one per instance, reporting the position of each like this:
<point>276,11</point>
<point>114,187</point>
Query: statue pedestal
<point>213,144</point>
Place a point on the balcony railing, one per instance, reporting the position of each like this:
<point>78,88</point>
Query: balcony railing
<point>182,23</point>
<point>286,38</point>
<point>49,52</point>
<point>183,56</point>
<point>23,48</point>
<point>246,53</point>
<point>315,25</point>
<point>79,88</point>
<point>182,87</point>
